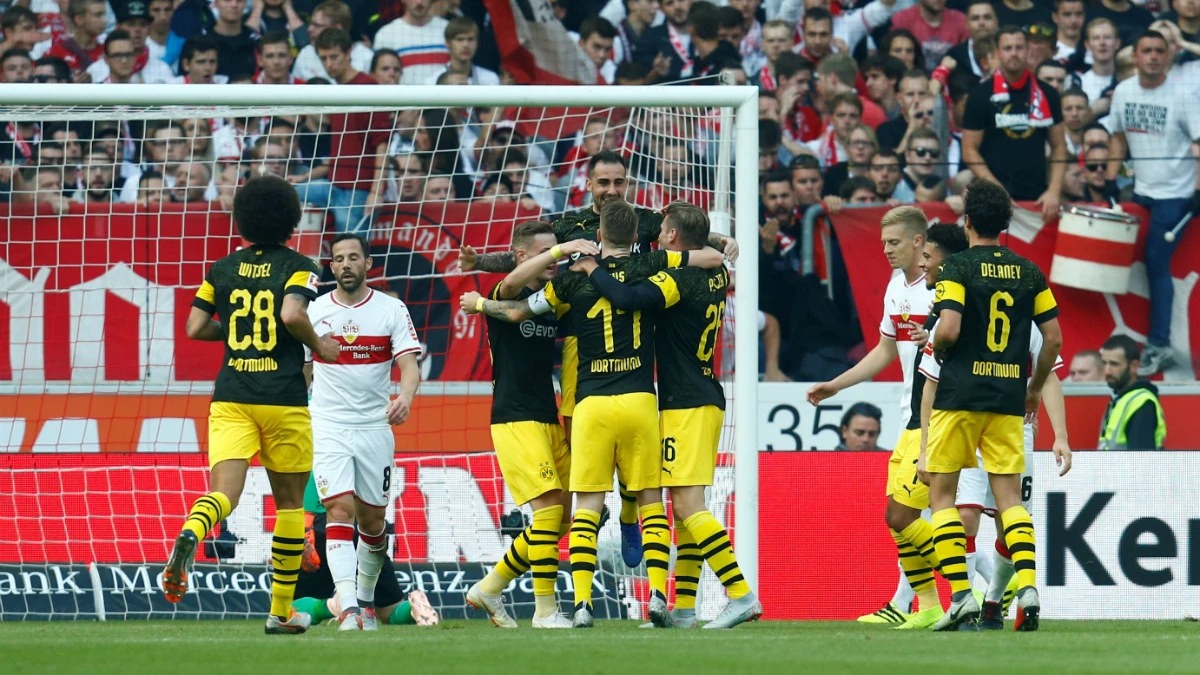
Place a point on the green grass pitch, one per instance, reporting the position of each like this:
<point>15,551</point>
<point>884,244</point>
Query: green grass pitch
<point>233,647</point>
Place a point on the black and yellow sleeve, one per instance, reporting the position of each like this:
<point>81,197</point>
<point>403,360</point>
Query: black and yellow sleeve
<point>668,285</point>
<point>303,278</point>
<point>206,296</point>
<point>1044,305</point>
<point>951,290</point>
<point>494,294</point>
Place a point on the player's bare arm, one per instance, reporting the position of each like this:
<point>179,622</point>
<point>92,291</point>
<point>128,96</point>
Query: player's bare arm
<point>410,380</point>
<point>501,262</point>
<point>1056,410</point>
<point>727,245</point>
<point>1058,165</point>
<point>294,315</point>
<point>872,364</point>
<point>512,311</point>
<point>972,140</point>
<point>529,270</point>
<point>1051,346</point>
<point>201,326</point>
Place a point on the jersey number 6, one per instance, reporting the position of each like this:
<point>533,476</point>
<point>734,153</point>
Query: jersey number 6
<point>997,336</point>
<point>262,326</point>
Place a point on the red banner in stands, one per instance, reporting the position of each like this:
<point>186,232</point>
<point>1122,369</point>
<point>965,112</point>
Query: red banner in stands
<point>1088,318</point>
<point>102,294</point>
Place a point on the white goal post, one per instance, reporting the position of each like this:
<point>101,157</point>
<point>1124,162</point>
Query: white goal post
<point>737,173</point>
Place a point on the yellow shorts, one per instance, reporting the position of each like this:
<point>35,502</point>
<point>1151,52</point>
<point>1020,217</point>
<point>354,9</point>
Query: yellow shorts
<point>568,375</point>
<point>533,457</point>
<point>954,435</point>
<point>903,485</point>
<point>279,435</point>
<point>615,431</point>
<point>689,445</point>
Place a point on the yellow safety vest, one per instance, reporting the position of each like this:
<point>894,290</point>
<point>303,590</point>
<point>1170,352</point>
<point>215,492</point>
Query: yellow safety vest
<point>1120,410</point>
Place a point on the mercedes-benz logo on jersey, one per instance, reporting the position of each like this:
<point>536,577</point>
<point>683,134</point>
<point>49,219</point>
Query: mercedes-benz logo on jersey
<point>531,328</point>
<point>350,332</point>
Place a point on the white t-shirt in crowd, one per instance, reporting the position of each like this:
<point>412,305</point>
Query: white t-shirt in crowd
<point>478,76</point>
<point>1094,85</point>
<point>155,71</point>
<point>354,391</point>
<point>422,49</point>
<point>308,63</point>
<point>1159,126</point>
<point>905,308</point>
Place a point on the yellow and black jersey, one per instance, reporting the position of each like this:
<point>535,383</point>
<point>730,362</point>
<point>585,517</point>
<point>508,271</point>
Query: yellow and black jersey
<point>585,223</point>
<point>523,358</point>
<point>686,336</point>
<point>616,347</point>
<point>1000,294</point>
<point>263,363</point>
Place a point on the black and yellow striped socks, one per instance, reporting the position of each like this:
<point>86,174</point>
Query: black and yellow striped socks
<point>287,546</point>
<point>656,545</point>
<point>718,551</point>
<point>513,564</point>
<point>919,560</point>
<point>1019,537</point>
<point>206,512</point>
<point>688,565</point>
<point>584,532</point>
<point>543,557</point>
<point>950,545</point>
<point>629,505</point>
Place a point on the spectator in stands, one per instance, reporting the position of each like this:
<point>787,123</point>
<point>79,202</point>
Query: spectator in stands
<point>68,135</point>
<point>845,113</point>
<point>596,37</point>
<point>639,15</point>
<point>462,41</point>
<point>273,54</point>
<point>133,17</point>
<point>981,25</point>
<point>1186,15</point>
<point>198,62</point>
<point>87,20</point>
<point>198,132</point>
<point>676,179</point>
<point>1099,81</point>
<point>159,30</point>
<point>798,117</point>
<point>664,48</point>
<point>860,147</point>
<point>860,427</point>
<point>357,156</point>
<point>496,189</point>
<point>732,29</point>
<point>856,190</point>
<point>1134,418</point>
<point>779,254</point>
<point>921,157</point>
<point>410,176</point>
<point>19,29</point>
<point>1097,189</point>
<point>1040,45</point>
<point>1022,13</point>
<point>1009,120</point>
<point>937,28</point>
<point>1068,22</point>
<point>1075,118</point>
<point>1052,73</point>
<point>329,14</point>
<point>234,40</point>
<point>1131,20</point>
<point>924,116</point>
<point>776,39</point>
<point>50,190</point>
<point>51,70</point>
<point>710,52</point>
<point>419,38</point>
<point>385,67</point>
<point>1095,134</point>
<point>164,149</point>
<point>119,57</point>
<point>882,74</point>
<point>268,16</point>
<point>1086,366</point>
<point>806,181</point>
<point>191,182</point>
<point>884,170</point>
<point>439,189</point>
<point>903,45</point>
<point>52,156</point>
<point>98,172</point>
<point>838,74</point>
<point>16,67</point>
<point>1154,120</point>
<point>913,86</point>
<point>153,189</point>
<point>932,189</point>
<point>270,157</point>
<point>818,35</point>
<point>751,44</point>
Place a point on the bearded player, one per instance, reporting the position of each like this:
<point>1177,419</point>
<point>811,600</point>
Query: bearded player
<point>260,399</point>
<point>351,420</point>
<point>905,307</point>
<point>607,180</point>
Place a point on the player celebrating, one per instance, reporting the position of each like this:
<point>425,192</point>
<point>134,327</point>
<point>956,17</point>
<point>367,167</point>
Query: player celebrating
<point>531,446</point>
<point>606,181</point>
<point>355,447</point>
<point>260,400</point>
<point>692,404</point>
<point>905,305</point>
<point>987,297</point>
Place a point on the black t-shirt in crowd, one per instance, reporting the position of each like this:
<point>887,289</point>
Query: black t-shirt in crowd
<point>235,54</point>
<point>1130,24</point>
<point>1013,149</point>
<point>890,133</point>
<point>1039,13</point>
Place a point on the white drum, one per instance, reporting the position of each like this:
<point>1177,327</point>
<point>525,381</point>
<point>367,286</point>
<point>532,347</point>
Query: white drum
<point>1095,249</point>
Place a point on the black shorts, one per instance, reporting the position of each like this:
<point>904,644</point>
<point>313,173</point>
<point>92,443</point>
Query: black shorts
<point>319,584</point>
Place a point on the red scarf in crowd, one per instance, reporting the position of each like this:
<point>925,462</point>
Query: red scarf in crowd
<point>828,151</point>
<point>676,39</point>
<point>766,81</point>
<point>1039,107</point>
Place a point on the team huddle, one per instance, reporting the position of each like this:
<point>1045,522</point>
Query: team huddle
<point>329,459</point>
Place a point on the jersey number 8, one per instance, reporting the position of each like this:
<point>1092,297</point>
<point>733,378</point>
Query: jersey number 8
<point>997,335</point>
<point>262,327</point>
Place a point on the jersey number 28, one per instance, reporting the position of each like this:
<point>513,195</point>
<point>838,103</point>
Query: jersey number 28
<point>262,326</point>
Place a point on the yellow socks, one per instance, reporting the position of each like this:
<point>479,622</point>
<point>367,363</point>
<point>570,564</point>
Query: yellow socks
<point>208,510</point>
<point>514,563</point>
<point>688,565</point>
<point>629,505</point>
<point>656,544</point>
<point>918,559</point>
<point>950,545</point>
<point>584,531</point>
<point>1018,536</point>
<point>718,551</point>
<point>543,556</point>
<point>287,546</point>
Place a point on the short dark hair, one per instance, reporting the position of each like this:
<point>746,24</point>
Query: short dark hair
<point>705,23</point>
<point>597,25</point>
<point>115,35</point>
<point>854,184</point>
<point>347,236</point>
<point>382,52</point>
<point>62,71</point>
<point>1074,91</point>
<point>271,37</point>
<point>266,210</point>
<point>804,162</point>
<point>891,67</point>
<point>15,53</point>
<point>1149,34</point>
<point>149,175</point>
<point>1133,351</point>
<point>770,134</point>
<point>885,153</point>
<point>526,231</point>
<point>1050,63</point>
<point>1096,125</point>
<point>861,409</point>
<point>196,44</point>
<point>777,176</point>
<point>1059,3</point>
<point>988,207</point>
<point>948,237</point>
<point>729,17</point>
<point>1010,29</point>
<point>334,38</point>
<point>618,223</point>
<point>690,221</point>
<point>790,63</point>
<point>818,14</point>
<point>606,157</point>
<point>15,15</point>
<point>631,70</point>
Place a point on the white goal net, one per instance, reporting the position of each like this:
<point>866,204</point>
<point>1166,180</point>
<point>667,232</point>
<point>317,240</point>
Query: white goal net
<point>115,208</point>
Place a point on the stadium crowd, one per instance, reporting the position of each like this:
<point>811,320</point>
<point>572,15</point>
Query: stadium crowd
<point>886,101</point>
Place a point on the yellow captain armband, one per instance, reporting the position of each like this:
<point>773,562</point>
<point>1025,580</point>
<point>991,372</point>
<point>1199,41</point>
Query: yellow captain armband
<point>479,305</point>
<point>556,252</point>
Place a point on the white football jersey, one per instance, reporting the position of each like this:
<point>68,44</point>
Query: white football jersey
<point>354,391</point>
<point>905,307</point>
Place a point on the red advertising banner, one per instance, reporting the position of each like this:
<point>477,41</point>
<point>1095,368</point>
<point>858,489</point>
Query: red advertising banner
<point>1087,318</point>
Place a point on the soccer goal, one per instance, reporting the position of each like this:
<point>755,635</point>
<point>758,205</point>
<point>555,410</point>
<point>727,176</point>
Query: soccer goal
<point>118,205</point>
